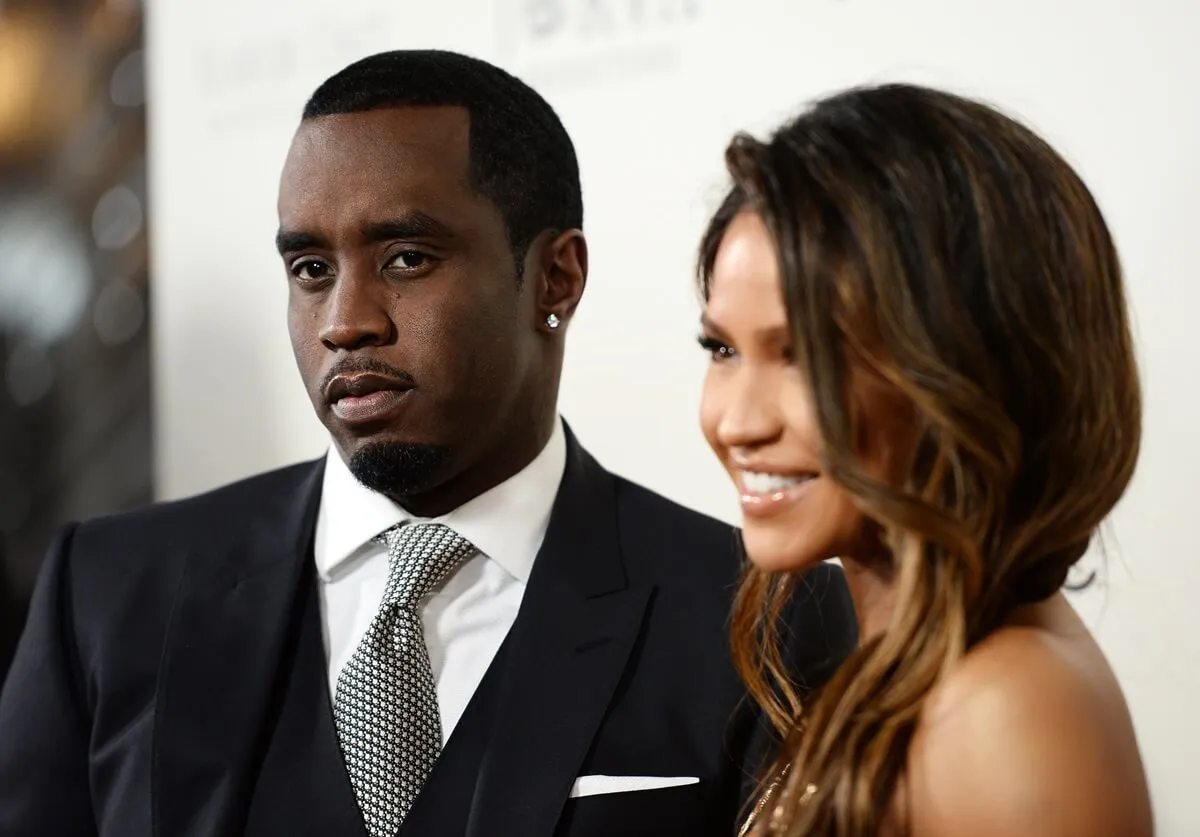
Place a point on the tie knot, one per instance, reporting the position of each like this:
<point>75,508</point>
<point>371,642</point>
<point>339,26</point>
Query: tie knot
<point>420,557</point>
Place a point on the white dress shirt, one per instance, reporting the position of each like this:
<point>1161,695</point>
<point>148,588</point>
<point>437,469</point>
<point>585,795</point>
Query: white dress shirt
<point>467,618</point>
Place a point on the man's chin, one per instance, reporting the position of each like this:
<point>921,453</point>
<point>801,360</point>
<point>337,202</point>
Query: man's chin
<point>397,468</point>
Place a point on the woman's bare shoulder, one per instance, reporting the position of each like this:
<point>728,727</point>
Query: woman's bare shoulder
<point>1029,735</point>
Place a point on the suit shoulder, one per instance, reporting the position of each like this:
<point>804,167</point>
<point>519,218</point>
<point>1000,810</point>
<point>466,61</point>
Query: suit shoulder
<point>651,511</point>
<point>122,569</point>
<point>202,515</point>
<point>642,503</point>
<point>674,542</point>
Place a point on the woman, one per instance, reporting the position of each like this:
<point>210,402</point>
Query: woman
<point>922,365</point>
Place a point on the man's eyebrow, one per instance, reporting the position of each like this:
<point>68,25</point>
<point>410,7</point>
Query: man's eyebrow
<point>289,241</point>
<point>412,225</point>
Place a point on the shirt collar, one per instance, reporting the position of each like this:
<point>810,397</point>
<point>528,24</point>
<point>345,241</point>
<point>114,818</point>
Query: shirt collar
<point>506,523</point>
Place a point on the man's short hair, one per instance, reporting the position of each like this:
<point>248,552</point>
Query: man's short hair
<point>521,157</point>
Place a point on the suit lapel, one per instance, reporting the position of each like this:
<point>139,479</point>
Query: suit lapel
<point>579,620</point>
<point>234,613</point>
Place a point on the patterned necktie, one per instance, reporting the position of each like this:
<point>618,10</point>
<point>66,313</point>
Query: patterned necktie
<point>386,707</point>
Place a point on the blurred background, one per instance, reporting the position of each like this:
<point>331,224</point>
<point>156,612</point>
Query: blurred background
<point>75,428</point>
<point>111,397</point>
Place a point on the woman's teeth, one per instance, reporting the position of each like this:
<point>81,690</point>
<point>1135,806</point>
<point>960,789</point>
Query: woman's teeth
<point>758,483</point>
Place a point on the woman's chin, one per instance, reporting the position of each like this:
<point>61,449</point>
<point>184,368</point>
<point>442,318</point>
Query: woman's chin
<point>778,552</point>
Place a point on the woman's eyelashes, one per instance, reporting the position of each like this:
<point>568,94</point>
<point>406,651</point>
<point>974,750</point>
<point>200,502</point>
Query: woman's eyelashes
<point>717,350</point>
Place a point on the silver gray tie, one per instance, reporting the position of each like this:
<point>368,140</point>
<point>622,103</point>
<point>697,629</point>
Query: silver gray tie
<point>386,707</point>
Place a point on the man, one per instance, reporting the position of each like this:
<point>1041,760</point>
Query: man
<point>456,623</point>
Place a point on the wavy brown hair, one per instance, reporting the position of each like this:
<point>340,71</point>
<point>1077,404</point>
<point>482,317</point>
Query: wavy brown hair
<point>933,245</point>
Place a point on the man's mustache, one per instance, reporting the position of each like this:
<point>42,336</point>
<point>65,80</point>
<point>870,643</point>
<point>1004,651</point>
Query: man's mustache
<point>367,366</point>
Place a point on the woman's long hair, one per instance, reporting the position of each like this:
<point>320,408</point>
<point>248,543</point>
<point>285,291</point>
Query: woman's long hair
<point>937,247</point>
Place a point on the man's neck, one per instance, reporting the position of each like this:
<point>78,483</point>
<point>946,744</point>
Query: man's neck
<point>509,456</point>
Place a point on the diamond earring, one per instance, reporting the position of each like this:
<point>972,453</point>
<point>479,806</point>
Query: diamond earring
<point>552,320</point>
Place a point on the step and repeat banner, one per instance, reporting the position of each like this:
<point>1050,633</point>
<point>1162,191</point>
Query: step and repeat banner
<point>651,91</point>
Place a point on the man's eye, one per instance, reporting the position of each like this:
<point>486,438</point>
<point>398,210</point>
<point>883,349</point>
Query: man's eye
<point>409,260</point>
<point>311,270</point>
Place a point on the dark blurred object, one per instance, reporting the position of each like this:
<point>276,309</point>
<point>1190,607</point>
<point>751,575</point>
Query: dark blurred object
<point>11,617</point>
<point>75,422</point>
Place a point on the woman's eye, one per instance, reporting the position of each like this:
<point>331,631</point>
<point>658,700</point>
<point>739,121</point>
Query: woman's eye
<point>409,260</point>
<point>718,350</point>
<point>311,270</point>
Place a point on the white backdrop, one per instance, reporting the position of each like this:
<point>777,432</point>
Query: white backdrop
<point>651,90</point>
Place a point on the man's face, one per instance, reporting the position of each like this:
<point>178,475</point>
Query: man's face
<point>415,340</point>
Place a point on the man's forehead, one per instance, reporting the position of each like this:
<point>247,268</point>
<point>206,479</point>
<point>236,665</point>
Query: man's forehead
<point>359,171</point>
<point>392,149</point>
<point>386,131</point>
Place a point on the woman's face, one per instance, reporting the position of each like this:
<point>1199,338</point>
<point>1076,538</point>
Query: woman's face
<point>757,412</point>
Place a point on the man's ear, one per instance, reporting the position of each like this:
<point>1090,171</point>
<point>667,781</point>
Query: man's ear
<point>561,279</point>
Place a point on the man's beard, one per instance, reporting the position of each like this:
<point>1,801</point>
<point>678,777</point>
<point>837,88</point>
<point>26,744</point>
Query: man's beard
<point>399,469</point>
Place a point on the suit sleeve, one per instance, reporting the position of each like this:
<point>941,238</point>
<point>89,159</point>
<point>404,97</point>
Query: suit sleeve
<point>819,631</point>
<point>822,629</point>
<point>43,721</point>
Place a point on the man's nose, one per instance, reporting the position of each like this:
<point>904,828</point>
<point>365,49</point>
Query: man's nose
<point>356,313</point>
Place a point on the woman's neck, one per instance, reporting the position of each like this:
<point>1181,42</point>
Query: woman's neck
<point>872,587</point>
